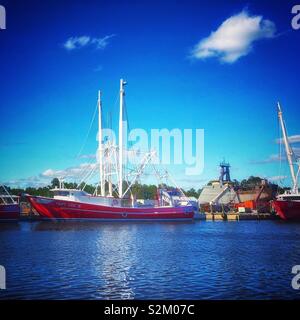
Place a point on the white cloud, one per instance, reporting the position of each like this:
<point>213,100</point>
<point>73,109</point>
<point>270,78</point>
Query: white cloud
<point>272,158</point>
<point>276,158</point>
<point>292,139</point>
<point>87,156</point>
<point>101,43</point>
<point>79,42</point>
<point>72,172</point>
<point>76,42</point>
<point>44,179</point>
<point>276,178</point>
<point>234,38</point>
<point>24,183</point>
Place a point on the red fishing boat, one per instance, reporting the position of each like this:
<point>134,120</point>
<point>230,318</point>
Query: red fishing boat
<point>287,205</point>
<point>113,199</point>
<point>75,204</point>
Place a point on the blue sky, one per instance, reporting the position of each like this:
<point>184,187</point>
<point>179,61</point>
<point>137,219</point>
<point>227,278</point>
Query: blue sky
<point>55,55</point>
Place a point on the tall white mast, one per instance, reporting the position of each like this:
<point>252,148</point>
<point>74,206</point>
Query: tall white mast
<point>122,83</point>
<point>109,161</point>
<point>288,149</point>
<point>102,186</point>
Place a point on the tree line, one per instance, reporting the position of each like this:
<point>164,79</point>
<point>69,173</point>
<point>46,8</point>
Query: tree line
<point>141,191</point>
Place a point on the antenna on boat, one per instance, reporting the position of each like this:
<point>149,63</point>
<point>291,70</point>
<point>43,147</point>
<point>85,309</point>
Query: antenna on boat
<point>122,93</point>
<point>102,187</point>
<point>288,149</point>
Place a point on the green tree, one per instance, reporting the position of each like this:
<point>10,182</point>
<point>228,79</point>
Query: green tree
<point>192,193</point>
<point>54,183</point>
<point>251,182</point>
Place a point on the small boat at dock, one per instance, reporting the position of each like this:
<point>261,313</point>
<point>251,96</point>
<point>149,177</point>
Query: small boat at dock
<point>9,205</point>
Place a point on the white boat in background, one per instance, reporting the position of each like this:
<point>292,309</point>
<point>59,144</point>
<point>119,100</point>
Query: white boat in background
<point>9,205</point>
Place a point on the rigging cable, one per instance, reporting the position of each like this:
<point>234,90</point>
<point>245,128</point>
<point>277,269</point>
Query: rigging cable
<point>88,133</point>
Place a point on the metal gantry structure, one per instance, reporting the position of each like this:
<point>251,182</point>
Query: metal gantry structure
<point>113,160</point>
<point>224,172</point>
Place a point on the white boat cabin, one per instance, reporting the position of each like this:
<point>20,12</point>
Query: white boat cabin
<point>84,197</point>
<point>289,197</point>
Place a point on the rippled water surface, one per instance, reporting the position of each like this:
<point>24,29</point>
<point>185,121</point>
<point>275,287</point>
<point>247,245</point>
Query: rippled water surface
<point>153,260</point>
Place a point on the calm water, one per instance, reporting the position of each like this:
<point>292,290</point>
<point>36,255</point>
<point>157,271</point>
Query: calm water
<point>194,260</point>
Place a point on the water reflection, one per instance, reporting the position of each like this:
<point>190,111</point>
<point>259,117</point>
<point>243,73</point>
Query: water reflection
<point>7,226</point>
<point>68,225</point>
<point>161,260</point>
<point>115,260</point>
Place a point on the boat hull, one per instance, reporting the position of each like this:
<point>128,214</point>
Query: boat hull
<point>50,208</point>
<point>287,210</point>
<point>9,212</point>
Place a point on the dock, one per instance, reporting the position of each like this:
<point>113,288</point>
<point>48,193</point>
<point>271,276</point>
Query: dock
<point>234,216</point>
